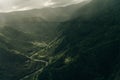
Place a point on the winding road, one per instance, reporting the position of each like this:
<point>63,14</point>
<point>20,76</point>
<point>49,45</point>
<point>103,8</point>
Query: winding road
<point>36,71</point>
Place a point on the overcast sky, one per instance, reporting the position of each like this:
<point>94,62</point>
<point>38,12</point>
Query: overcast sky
<point>17,5</point>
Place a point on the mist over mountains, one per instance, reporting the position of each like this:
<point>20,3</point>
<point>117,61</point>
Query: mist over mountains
<point>21,5</point>
<point>65,41</point>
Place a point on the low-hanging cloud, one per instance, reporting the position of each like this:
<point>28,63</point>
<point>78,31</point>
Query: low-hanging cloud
<point>18,5</point>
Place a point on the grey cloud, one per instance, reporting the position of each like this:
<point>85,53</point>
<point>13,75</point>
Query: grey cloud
<point>15,5</point>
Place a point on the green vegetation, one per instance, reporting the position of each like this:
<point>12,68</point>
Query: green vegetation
<point>92,45</point>
<point>85,46</point>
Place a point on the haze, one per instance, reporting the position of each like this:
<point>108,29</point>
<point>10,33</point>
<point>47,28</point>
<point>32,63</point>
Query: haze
<point>20,5</point>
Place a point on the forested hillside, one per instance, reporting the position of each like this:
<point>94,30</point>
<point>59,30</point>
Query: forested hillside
<point>76,42</point>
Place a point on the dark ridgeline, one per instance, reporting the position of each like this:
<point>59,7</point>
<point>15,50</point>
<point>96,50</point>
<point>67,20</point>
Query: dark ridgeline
<point>85,45</point>
<point>91,45</point>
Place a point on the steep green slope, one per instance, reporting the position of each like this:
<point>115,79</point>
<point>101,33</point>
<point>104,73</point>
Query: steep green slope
<point>16,40</point>
<point>86,47</point>
<point>15,66</point>
<point>15,46</point>
<point>90,49</point>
